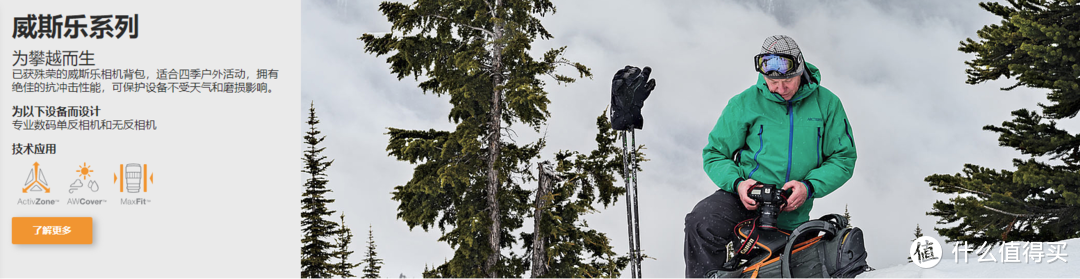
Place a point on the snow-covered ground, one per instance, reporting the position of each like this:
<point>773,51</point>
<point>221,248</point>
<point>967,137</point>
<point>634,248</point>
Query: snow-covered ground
<point>948,268</point>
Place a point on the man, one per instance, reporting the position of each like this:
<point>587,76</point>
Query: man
<point>786,130</point>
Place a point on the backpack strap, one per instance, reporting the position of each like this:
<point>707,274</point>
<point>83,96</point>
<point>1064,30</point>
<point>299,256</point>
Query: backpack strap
<point>828,224</point>
<point>821,255</point>
<point>840,221</point>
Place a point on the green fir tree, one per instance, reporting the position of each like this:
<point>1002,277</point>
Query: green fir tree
<point>316,252</point>
<point>343,268</point>
<point>847,215</point>
<point>918,234</point>
<point>372,263</point>
<point>1037,44</point>
<point>468,181</point>
<point>569,248</point>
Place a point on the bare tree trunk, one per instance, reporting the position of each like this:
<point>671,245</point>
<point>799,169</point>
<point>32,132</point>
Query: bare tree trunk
<point>495,124</point>
<point>539,256</point>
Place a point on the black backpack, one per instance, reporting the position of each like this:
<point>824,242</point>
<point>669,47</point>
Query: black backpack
<point>804,253</point>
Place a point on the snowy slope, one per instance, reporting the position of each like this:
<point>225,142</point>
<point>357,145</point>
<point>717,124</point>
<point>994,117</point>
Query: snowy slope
<point>947,268</point>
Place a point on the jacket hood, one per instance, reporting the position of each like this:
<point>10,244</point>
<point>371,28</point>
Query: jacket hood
<point>811,77</point>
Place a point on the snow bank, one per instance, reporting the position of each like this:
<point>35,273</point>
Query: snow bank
<point>947,268</point>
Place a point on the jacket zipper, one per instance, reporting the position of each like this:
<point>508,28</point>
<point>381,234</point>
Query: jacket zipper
<point>818,143</point>
<point>791,140</point>
<point>761,145</point>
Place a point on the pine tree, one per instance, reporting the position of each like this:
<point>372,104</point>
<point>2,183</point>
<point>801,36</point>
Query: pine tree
<point>918,234</point>
<point>316,252</point>
<point>1037,45</point>
<point>372,264</point>
<point>847,215</point>
<point>566,247</point>
<point>344,238</point>
<point>466,181</point>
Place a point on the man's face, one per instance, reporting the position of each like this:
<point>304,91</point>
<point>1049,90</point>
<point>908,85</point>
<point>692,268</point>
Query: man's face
<point>785,87</point>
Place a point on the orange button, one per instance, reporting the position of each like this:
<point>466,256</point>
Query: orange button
<point>52,230</point>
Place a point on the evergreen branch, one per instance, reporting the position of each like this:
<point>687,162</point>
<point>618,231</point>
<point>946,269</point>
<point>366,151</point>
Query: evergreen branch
<point>510,133</point>
<point>485,31</point>
<point>491,8</point>
<point>969,190</point>
<point>564,62</point>
<point>1009,213</point>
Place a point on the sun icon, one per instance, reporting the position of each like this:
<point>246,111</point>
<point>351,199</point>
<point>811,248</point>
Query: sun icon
<point>84,171</point>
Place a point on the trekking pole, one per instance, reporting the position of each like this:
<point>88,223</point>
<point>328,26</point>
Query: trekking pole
<point>629,211</point>
<point>629,88</point>
<point>637,228</point>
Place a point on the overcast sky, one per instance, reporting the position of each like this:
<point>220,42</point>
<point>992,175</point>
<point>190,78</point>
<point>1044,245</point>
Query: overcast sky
<point>893,64</point>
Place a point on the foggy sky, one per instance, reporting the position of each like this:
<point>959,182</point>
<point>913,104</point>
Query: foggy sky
<point>894,65</point>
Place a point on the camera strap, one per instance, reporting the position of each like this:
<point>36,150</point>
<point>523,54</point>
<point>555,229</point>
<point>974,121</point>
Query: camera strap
<point>749,233</point>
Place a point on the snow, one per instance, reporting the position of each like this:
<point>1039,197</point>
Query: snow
<point>947,268</point>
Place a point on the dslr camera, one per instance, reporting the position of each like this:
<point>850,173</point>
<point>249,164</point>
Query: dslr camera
<point>769,200</point>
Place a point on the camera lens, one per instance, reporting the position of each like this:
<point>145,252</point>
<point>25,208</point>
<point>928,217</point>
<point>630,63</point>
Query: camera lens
<point>769,201</point>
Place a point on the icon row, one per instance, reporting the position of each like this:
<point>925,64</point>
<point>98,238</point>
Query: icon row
<point>131,178</point>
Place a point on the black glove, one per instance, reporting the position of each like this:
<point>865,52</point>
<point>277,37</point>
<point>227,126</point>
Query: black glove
<point>621,99</point>
<point>641,88</point>
<point>629,89</point>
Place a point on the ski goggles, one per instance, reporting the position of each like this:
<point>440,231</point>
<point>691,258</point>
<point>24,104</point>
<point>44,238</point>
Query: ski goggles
<point>776,65</point>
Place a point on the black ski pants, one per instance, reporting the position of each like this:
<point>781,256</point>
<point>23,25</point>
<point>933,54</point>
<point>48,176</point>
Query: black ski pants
<point>709,227</point>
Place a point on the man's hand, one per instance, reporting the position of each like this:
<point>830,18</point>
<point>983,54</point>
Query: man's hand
<point>749,203</point>
<point>798,195</point>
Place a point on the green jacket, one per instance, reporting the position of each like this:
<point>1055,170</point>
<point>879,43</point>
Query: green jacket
<point>759,135</point>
